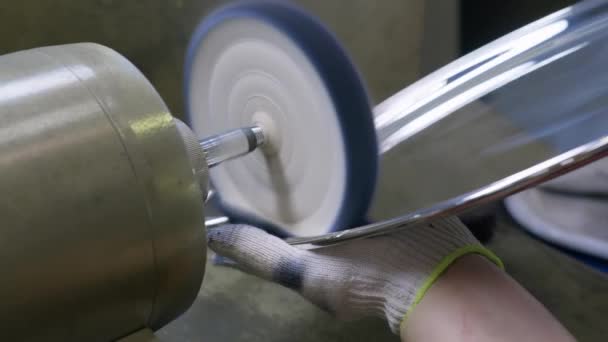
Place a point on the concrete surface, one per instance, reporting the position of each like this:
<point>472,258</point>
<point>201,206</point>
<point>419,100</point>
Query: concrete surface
<point>387,40</point>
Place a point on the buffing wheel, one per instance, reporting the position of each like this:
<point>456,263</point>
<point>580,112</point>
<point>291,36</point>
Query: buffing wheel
<point>274,66</point>
<point>574,222</point>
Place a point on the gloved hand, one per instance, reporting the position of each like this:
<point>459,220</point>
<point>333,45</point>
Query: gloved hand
<point>383,276</point>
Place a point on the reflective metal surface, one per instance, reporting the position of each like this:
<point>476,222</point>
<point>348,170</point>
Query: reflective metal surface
<point>525,108</point>
<point>102,216</point>
<point>233,144</point>
<point>554,167</point>
<point>212,222</point>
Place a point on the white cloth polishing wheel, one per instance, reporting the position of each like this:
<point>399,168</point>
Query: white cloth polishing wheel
<point>274,66</point>
<point>571,221</point>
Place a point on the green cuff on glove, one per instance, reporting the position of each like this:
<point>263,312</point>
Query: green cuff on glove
<point>443,266</point>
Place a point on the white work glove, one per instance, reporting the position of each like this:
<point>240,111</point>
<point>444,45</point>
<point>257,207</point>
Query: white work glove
<point>384,276</point>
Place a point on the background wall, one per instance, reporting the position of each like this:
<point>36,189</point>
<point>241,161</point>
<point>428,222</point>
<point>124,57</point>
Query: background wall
<point>384,37</point>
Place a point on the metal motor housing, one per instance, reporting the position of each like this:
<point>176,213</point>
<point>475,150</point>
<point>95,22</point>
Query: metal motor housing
<point>102,228</point>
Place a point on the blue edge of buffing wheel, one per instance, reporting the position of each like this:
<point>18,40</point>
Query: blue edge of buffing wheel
<point>342,82</point>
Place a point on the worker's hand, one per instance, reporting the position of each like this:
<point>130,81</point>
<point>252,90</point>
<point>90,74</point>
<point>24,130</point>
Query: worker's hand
<point>383,276</point>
